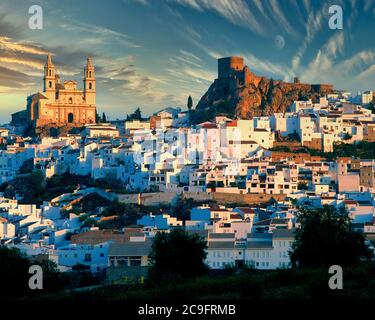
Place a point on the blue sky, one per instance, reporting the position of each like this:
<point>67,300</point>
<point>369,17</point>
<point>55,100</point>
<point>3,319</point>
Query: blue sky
<point>154,54</point>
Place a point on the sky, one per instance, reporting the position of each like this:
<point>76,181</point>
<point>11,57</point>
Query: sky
<point>153,54</point>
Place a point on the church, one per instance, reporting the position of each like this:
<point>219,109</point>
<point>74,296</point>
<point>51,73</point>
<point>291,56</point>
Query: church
<point>63,103</point>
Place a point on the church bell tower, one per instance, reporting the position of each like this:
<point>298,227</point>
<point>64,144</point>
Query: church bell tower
<point>49,79</point>
<point>89,83</point>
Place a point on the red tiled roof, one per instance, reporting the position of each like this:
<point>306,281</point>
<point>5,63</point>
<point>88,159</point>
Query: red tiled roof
<point>350,202</point>
<point>232,123</point>
<point>209,126</point>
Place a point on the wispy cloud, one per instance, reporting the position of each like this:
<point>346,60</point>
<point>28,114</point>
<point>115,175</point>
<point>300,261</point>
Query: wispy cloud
<point>368,4</point>
<point>325,59</point>
<point>313,26</point>
<point>122,76</point>
<point>367,74</point>
<point>101,34</point>
<point>235,11</point>
<point>14,81</point>
<point>26,47</point>
<point>274,6</point>
<point>331,65</point>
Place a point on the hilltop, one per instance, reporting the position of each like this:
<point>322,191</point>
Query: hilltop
<point>239,93</point>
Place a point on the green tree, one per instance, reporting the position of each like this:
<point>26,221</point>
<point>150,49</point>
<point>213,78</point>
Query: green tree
<point>90,222</point>
<point>35,188</point>
<point>27,166</point>
<point>98,119</point>
<point>104,117</point>
<point>190,103</point>
<point>347,136</point>
<point>182,207</point>
<point>325,238</point>
<point>52,279</point>
<point>127,214</point>
<point>176,256</point>
<point>14,271</point>
<point>137,115</point>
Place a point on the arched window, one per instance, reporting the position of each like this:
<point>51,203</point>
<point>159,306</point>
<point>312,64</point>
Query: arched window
<point>90,85</point>
<point>50,84</point>
<point>70,100</point>
<point>89,74</point>
<point>49,72</point>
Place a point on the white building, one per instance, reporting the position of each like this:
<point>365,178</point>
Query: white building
<point>93,257</point>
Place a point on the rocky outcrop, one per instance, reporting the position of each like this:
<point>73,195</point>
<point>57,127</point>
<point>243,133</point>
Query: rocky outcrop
<point>259,97</point>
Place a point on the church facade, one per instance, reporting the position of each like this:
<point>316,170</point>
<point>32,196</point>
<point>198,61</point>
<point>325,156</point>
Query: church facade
<point>63,103</point>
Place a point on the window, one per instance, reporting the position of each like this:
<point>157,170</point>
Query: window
<point>90,85</point>
<point>50,84</point>
<point>70,100</point>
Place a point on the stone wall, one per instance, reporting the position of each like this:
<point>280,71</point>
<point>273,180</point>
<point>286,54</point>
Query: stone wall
<point>297,157</point>
<point>314,144</point>
<point>251,199</point>
<point>161,197</point>
<point>221,197</point>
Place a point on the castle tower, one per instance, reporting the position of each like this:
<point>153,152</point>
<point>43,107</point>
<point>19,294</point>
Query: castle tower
<point>89,82</point>
<point>49,79</point>
<point>229,65</point>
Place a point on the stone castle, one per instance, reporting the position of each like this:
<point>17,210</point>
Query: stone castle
<point>61,103</point>
<point>236,74</point>
<point>232,69</point>
<point>237,92</point>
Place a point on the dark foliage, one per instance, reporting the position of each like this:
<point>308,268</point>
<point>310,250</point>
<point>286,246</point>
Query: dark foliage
<point>27,166</point>
<point>136,115</point>
<point>326,238</point>
<point>176,256</point>
<point>127,214</point>
<point>14,269</point>
<point>298,283</point>
<point>190,103</point>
